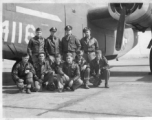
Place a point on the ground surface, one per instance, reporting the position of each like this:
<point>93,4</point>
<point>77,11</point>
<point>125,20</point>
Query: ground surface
<point>129,95</point>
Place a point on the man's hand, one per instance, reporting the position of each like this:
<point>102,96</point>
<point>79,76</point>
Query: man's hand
<point>20,80</point>
<point>27,71</point>
<point>67,77</point>
<point>70,83</point>
<point>40,80</point>
<point>42,77</point>
<point>52,59</point>
<point>84,67</point>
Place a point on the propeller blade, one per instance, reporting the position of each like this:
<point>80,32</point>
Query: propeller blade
<point>120,29</point>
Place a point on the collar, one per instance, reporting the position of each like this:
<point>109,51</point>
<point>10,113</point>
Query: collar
<point>36,37</point>
<point>41,63</point>
<point>52,37</point>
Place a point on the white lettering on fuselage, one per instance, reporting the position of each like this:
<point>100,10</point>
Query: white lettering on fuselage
<point>13,32</point>
<point>20,33</point>
<point>29,32</point>
<point>5,28</point>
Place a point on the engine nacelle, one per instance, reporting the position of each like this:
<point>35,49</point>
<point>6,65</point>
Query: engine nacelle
<point>138,15</point>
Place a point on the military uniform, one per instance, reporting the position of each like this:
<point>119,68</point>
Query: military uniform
<point>19,73</point>
<point>35,46</point>
<point>57,68</point>
<point>99,70</point>
<point>70,44</point>
<point>52,46</point>
<point>73,72</point>
<point>44,73</point>
<point>89,46</point>
<point>85,73</point>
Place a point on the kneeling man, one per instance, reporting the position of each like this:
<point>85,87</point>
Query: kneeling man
<point>99,70</point>
<point>70,78</point>
<point>23,73</point>
<point>43,72</point>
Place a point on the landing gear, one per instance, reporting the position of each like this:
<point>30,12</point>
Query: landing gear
<point>150,60</point>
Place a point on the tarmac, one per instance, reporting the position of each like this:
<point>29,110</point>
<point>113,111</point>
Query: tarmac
<point>129,95</point>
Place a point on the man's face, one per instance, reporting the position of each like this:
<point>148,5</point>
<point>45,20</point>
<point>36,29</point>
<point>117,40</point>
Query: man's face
<point>25,59</point>
<point>99,56</point>
<point>58,60</point>
<point>68,32</point>
<point>69,59</point>
<point>79,56</point>
<point>53,33</point>
<point>38,33</point>
<point>87,33</point>
<point>41,57</point>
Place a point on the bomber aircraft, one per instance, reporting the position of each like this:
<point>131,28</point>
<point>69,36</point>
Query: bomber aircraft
<point>114,25</point>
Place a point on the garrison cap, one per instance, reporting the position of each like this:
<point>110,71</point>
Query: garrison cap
<point>69,55</point>
<point>86,29</point>
<point>79,52</point>
<point>98,51</point>
<point>25,55</point>
<point>53,29</point>
<point>68,27</point>
<point>58,56</point>
<point>38,29</point>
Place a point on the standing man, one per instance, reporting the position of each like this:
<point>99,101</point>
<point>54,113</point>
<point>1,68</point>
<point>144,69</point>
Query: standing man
<point>23,74</point>
<point>84,68</point>
<point>43,72</point>
<point>36,45</point>
<point>52,45</point>
<point>70,44</point>
<point>70,78</point>
<point>89,45</point>
<point>150,57</point>
<point>99,70</point>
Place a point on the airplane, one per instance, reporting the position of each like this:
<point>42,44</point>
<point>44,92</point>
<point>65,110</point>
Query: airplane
<point>114,25</point>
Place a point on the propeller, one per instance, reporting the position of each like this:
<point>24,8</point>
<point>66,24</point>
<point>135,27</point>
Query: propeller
<point>120,28</point>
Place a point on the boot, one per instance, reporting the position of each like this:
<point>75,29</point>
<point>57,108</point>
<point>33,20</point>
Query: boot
<point>86,86</point>
<point>106,85</point>
<point>28,91</point>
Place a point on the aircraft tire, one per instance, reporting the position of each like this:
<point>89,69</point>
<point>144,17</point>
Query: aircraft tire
<point>150,60</point>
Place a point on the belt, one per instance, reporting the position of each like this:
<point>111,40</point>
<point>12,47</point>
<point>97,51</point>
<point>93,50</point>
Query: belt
<point>70,52</point>
<point>88,52</point>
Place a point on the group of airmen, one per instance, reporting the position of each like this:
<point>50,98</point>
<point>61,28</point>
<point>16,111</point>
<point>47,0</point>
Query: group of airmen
<point>60,65</point>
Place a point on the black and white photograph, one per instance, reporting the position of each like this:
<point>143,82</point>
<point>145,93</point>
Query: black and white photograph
<point>88,59</point>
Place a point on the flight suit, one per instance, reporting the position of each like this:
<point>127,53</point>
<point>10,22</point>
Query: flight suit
<point>70,44</point>
<point>73,72</point>
<point>43,72</point>
<point>85,74</point>
<point>35,46</point>
<point>99,71</point>
<point>19,73</point>
<point>89,46</point>
<point>52,47</point>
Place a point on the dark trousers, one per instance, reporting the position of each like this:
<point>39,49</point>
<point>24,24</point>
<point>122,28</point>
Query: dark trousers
<point>28,80</point>
<point>47,78</point>
<point>105,74</point>
<point>63,81</point>
<point>85,75</point>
